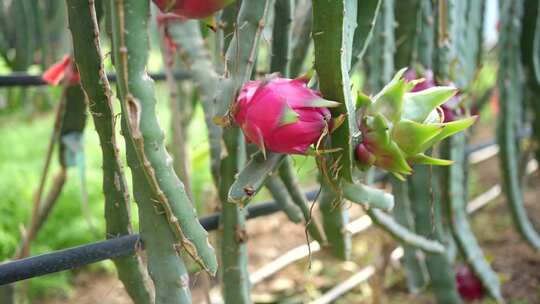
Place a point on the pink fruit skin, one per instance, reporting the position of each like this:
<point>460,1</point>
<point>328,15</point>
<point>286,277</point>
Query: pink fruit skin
<point>260,107</point>
<point>192,9</point>
<point>469,286</point>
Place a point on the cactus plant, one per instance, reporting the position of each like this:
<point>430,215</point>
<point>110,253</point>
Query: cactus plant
<point>530,44</point>
<point>320,114</point>
<point>510,88</point>
<point>157,188</point>
<point>87,54</point>
<point>333,31</point>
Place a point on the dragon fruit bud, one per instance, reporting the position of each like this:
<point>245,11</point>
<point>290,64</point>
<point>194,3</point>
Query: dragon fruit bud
<point>399,124</point>
<point>192,9</point>
<point>469,286</point>
<point>281,115</point>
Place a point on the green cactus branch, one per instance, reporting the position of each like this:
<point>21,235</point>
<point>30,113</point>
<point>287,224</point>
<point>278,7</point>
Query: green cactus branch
<point>239,61</point>
<point>510,89</point>
<point>406,33</point>
<point>455,198</point>
<point>280,194</point>
<point>288,176</point>
<point>427,212</point>
<point>413,262</point>
<point>87,53</point>
<point>379,57</point>
<point>367,18</point>
<point>253,176</point>
<point>146,136</point>
<point>24,33</point>
<point>334,23</point>
<point>335,218</point>
<point>234,257</point>
<point>188,37</point>
<point>367,196</point>
<point>387,223</point>
<point>179,117</point>
<point>219,93</point>
<point>302,41</point>
<point>530,56</point>
<point>281,36</point>
<point>285,188</point>
<point>280,62</point>
<point>240,56</point>
<point>426,36</point>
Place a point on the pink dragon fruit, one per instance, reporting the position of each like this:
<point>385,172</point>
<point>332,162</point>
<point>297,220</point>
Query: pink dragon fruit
<point>192,9</point>
<point>399,124</point>
<point>282,115</point>
<point>469,286</point>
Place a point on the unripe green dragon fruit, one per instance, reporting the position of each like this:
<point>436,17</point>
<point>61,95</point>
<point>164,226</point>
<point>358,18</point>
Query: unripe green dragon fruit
<point>398,126</point>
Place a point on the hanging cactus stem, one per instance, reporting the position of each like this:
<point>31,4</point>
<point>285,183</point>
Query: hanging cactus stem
<point>333,29</point>
<point>510,90</point>
<point>439,265</point>
<point>367,19</point>
<point>334,220</point>
<point>287,175</point>
<point>251,179</point>
<point>138,105</point>
<point>239,62</point>
<point>283,199</point>
<point>413,261</point>
<point>186,35</point>
<point>367,196</point>
<point>87,52</point>
<point>387,223</point>
<point>455,197</point>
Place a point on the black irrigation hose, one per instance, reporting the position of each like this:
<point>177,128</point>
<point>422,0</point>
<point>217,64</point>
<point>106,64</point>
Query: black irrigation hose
<point>86,254</point>
<point>91,253</point>
<point>26,80</point>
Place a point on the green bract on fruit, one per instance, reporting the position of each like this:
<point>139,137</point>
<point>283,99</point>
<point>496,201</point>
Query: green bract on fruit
<point>398,126</point>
